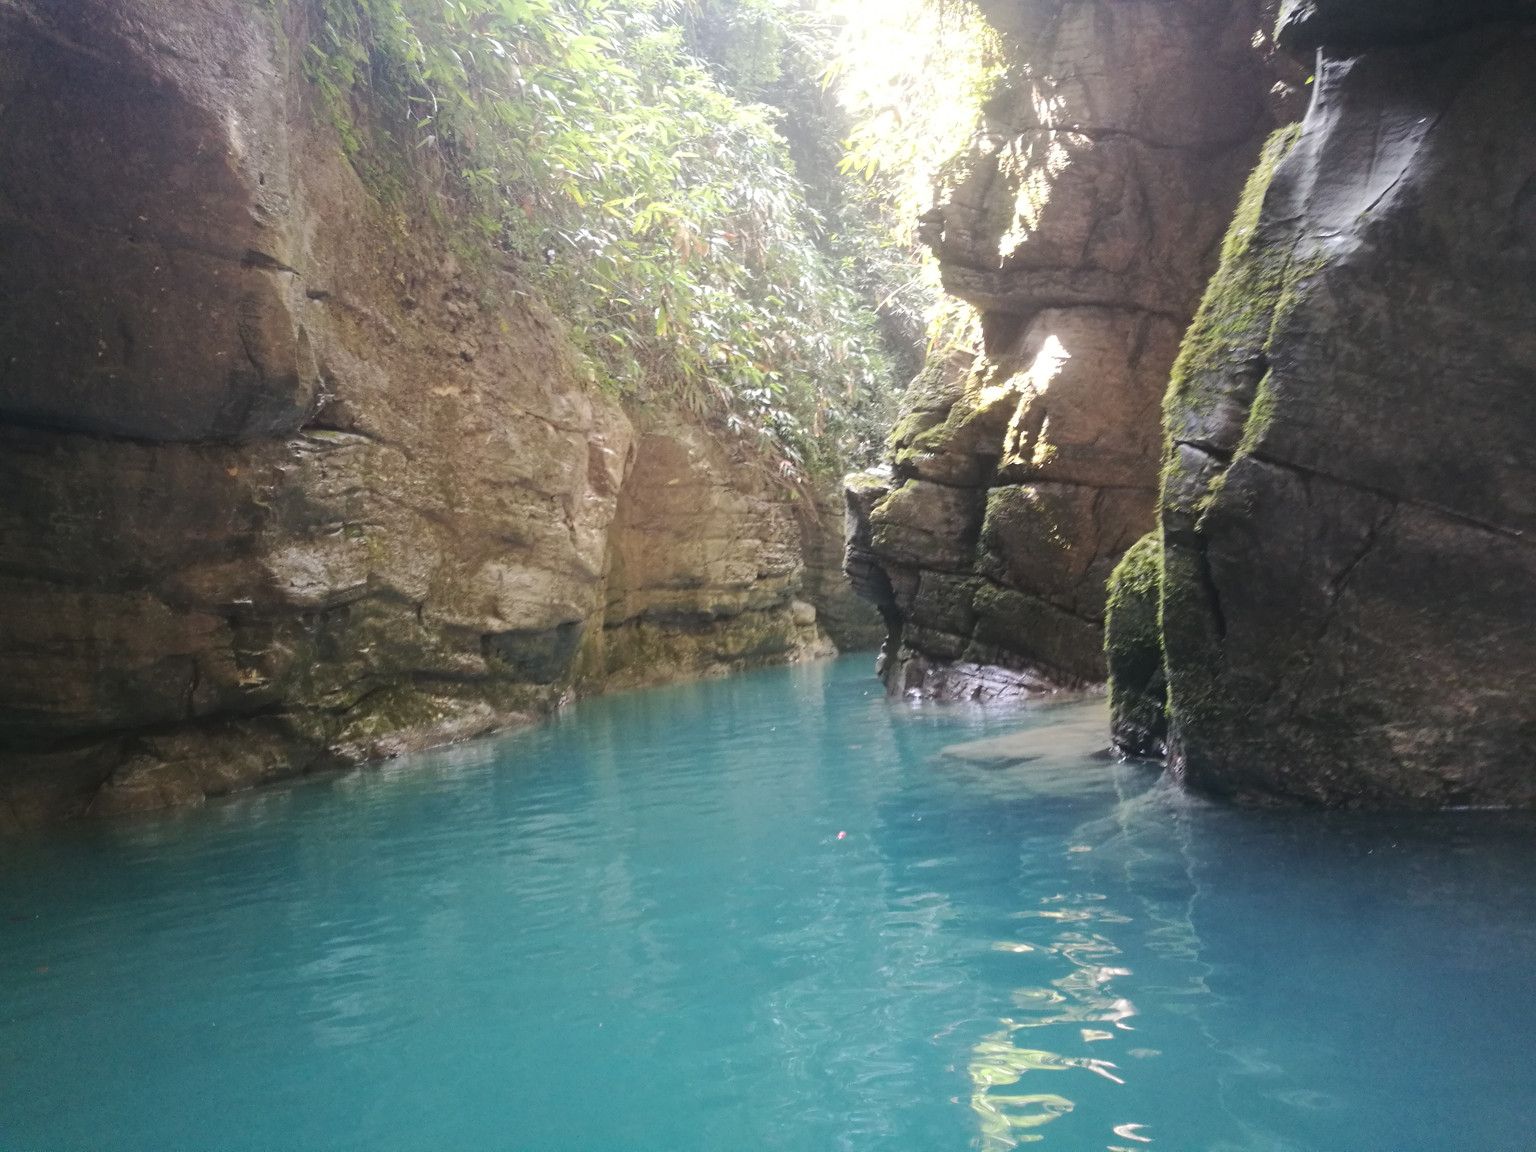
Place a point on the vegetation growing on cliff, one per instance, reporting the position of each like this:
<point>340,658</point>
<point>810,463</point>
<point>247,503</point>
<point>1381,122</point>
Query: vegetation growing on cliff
<point>667,178</point>
<point>914,75</point>
<point>1239,307</point>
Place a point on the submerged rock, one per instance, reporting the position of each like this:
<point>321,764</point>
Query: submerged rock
<point>1066,758</point>
<point>1347,509</point>
<point>1083,228</point>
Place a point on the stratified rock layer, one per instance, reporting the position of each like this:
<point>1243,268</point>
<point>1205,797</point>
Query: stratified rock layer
<point>284,481</point>
<point>1083,230</point>
<point>706,565</point>
<point>1349,507</point>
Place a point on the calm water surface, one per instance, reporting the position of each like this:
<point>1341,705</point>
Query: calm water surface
<point>769,913</point>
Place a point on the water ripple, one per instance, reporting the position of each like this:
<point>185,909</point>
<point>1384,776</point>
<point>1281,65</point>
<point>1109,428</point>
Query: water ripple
<point>777,913</point>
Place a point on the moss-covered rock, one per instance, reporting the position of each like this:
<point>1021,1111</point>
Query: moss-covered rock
<point>1133,649</point>
<point>1014,628</point>
<point>928,525</point>
<point>1348,465</point>
<point>952,427</point>
<point>1223,360</point>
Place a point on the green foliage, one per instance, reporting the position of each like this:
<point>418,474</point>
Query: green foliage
<point>656,212</point>
<point>914,75</point>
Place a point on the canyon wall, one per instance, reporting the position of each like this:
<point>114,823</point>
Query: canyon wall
<point>1340,594</point>
<point>707,564</point>
<point>291,474</point>
<point>1083,229</point>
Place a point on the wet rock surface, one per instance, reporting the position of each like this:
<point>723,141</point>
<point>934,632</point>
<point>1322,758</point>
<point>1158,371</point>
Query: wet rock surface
<point>1347,512</point>
<point>1083,230</point>
<point>289,479</point>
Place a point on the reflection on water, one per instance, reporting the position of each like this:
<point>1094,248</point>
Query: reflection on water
<point>778,913</point>
<point>1083,995</point>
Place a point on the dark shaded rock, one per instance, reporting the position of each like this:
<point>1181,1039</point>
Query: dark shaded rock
<point>1017,628</point>
<point>181,768</point>
<point>1082,226</point>
<point>926,525</point>
<point>1347,507</point>
<point>134,210</point>
<point>852,622</point>
<point>952,678</point>
<point>539,655</point>
<point>867,577</point>
<point>1354,25</point>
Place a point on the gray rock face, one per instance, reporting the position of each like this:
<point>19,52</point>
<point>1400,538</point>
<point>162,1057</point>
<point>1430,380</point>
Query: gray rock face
<point>1350,499</point>
<point>1083,229</point>
<point>127,176</point>
<point>1352,25</point>
<point>283,482</point>
<point>850,621</point>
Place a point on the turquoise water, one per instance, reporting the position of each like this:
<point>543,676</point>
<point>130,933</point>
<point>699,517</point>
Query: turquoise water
<point>769,913</point>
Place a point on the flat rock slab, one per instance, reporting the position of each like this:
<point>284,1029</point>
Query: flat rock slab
<point>1044,751</point>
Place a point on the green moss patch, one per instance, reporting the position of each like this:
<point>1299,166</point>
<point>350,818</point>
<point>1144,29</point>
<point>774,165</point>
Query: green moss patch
<point>1133,645</point>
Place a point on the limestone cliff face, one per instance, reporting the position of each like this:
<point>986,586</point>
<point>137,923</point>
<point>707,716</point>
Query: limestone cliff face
<point>707,564</point>
<point>1083,231</point>
<point>283,481</point>
<point>1347,572</point>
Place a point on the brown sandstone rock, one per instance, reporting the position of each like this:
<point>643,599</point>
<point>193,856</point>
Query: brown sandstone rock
<point>1083,228</point>
<point>706,565</point>
<point>284,482</point>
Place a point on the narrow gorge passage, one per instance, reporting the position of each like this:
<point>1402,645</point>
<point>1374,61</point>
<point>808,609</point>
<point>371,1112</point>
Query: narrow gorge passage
<point>703,575</point>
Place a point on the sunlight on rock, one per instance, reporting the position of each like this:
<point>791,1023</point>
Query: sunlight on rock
<point>1035,167</point>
